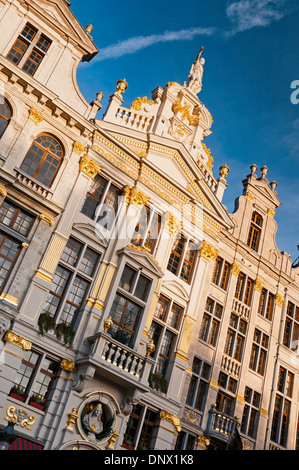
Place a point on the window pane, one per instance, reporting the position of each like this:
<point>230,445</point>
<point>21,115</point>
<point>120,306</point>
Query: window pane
<point>71,252</point>
<point>142,287</point>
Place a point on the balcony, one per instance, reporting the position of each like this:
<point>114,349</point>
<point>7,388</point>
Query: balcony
<point>241,309</point>
<point>32,184</point>
<point>122,363</point>
<point>222,430</point>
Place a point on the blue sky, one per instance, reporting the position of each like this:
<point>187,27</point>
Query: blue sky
<point>252,58</point>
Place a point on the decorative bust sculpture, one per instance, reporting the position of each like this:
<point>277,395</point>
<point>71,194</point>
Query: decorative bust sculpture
<point>93,421</point>
<point>194,81</point>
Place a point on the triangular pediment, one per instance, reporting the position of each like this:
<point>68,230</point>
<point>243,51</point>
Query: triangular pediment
<point>144,258</point>
<point>59,13</point>
<point>261,187</point>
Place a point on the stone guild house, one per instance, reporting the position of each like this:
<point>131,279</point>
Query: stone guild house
<point>135,311</point>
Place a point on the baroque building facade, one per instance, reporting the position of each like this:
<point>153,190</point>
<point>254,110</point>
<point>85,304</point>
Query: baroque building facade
<point>136,312</point>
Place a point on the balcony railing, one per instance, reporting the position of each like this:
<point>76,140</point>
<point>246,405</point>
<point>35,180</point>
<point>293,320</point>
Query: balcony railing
<point>241,309</point>
<point>107,350</point>
<point>133,119</point>
<point>221,428</point>
<point>33,184</point>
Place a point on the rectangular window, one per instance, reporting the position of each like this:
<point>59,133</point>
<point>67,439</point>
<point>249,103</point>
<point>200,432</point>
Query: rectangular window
<point>250,416</point>
<point>235,338</point>
<point>164,331</point>
<point>221,273</point>
<point>199,384</point>
<point>126,310</point>
<point>182,258</point>
<point>140,429</point>
<point>34,379</point>
<point>71,281</point>
<point>291,328</point>
<point>211,322</point>
<point>185,441</point>
<point>147,229</point>
<point>259,352</point>
<point>244,289</point>
<point>29,49</point>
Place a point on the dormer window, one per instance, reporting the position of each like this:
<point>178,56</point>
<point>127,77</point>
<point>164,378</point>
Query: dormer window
<point>29,49</point>
<point>255,231</point>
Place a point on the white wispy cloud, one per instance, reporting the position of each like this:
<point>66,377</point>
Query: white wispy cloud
<point>243,15</point>
<point>248,14</point>
<point>132,45</point>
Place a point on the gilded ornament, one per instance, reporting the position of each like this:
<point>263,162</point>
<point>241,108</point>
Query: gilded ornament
<point>112,440</point>
<point>99,96</point>
<point>223,171</point>
<point>203,440</point>
<point>73,416</point>
<point>258,285</point>
<point>171,418</point>
<point>150,347</point>
<point>69,366</point>
<point>184,111</point>
<point>78,148</point>
<point>88,28</point>
<point>3,191</point>
<point>135,197</point>
<point>25,245</point>
<point>47,219</point>
<point>235,269</point>
<point>19,417</point>
<point>35,115</point>
<point>172,224</point>
<point>210,158</point>
<point>121,86</point>
<point>249,196</point>
<point>279,299</point>
<point>108,322</point>
<point>208,252</point>
<point>11,337</point>
<point>139,102</point>
<point>271,213</point>
<point>89,166</point>
<point>191,416</point>
<point>9,298</point>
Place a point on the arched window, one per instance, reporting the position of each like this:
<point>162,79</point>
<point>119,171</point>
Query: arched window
<point>255,231</point>
<point>43,159</point>
<point>5,115</point>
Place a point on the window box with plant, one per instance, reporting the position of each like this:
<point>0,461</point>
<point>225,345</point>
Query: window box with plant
<point>128,442</point>
<point>66,332</point>
<point>18,393</point>
<point>46,323</point>
<point>37,401</point>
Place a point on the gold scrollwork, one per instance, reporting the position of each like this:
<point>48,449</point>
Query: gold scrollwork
<point>235,269</point>
<point>19,417</point>
<point>210,158</point>
<point>69,366</point>
<point>271,213</point>
<point>279,299</point>
<point>208,252</point>
<point>171,418</point>
<point>3,191</point>
<point>140,101</point>
<point>47,219</point>
<point>11,337</point>
<point>89,166</point>
<point>258,285</point>
<point>135,197</point>
<point>35,115</point>
<point>184,110</point>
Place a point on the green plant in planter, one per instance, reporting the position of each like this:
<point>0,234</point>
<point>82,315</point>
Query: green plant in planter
<point>157,382</point>
<point>37,398</point>
<point>46,322</point>
<point>121,335</point>
<point>65,330</point>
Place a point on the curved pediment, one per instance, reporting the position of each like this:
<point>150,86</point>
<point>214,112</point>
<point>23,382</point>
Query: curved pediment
<point>176,289</point>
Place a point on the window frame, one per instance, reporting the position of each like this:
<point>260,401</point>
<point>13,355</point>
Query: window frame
<point>211,322</point>
<point>185,240</point>
<point>142,240</point>
<point>74,272</point>
<point>221,273</point>
<point>255,231</point>
<point>259,352</point>
<point>199,385</point>
<point>31,46</point>
<point>4,118</point>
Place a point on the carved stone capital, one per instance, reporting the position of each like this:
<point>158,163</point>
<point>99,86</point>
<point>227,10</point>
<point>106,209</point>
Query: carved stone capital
<point>235,269</point>
<point>3,191</point>
<point>35,115</point>
<point>89,166</point>
<point>133,196</point>
<point>78,148</point>
<point>69,366</point>
<point>279,299</point>
<point>172,224</point>
<point>208,252</point>
<point>258,285</point>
